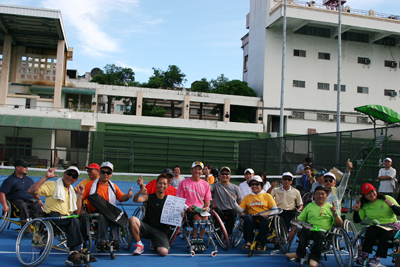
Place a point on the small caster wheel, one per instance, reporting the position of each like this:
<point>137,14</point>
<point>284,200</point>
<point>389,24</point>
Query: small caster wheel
<point>214,253</point>
<point>192,253</point>
<point>250,254</point>
<point>112,255</point>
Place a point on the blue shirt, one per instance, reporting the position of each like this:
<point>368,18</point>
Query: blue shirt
<point>17,188</point>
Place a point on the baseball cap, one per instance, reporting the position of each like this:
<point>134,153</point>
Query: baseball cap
<point>388,159</point>
<point>329,174</point>
<point>320,187</point>
<point>249,170</point>
<point>168,171</point>
<point>225,168</point>
<point>255,178</point>
<point>21,162</point>
<point>108,165</point>
<point>197,163</point>
<point>289,174</point>
<point>73,168</point>
<point>93,166</point>
<point>366,188</point>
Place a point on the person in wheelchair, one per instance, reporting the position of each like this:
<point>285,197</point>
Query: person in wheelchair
<point>151,227</point>
<point>321,215</point>
<point>15,189</point>
<point>223,192</point>
<point>287,198</point>
<point>376,206</point>
<point>255,202</point>
<point>111,193</point>
<point>197,193</point>
<point>152,185</point>
<point>62,200</point>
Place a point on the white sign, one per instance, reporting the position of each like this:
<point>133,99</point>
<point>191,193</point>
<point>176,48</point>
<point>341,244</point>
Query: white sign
<point>172,211</point>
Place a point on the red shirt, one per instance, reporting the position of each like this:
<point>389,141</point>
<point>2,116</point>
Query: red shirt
<point>152,188</point>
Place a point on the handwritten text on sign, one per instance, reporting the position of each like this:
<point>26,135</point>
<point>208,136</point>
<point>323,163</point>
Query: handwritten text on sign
<point>172,211</point>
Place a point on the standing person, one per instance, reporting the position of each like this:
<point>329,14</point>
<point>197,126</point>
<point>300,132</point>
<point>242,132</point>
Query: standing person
<point>387,178</point>
<point>209,178</point>
<point>300,170</point>
<point>111,193</point>
<point>15,189</point>
<point>223,192</point>
<point>177,176</point>
<point>287,198</point>
<point>308,179</point>
<point>197,193</point>
<point>376,206</point>
<point>151,226</point>
<point>319,180</point>
<point>244,186</point>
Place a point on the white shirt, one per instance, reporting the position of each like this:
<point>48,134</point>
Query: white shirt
<point>244,189</point>
<point>387,186</point>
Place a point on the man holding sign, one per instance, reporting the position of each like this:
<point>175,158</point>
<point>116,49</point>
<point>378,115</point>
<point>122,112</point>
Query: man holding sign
<point>151,226</point>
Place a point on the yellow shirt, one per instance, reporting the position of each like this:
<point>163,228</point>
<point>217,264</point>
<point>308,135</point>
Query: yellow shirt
<point>257,203</point>
<point>47,190</point>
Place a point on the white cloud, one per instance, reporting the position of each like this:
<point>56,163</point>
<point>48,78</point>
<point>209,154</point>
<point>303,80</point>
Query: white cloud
<point>146,71</point>
<point>87,18</point>
<point>153,22</point>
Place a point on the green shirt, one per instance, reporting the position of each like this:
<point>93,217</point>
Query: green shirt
<point>379,210</point>
<point>320,217</point>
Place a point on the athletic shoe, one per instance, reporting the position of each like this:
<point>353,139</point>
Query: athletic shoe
<point>138,250</point>
<point>101,247</point>
<point>362,257</point>
<point>375,261</point>
<point>115,245</point>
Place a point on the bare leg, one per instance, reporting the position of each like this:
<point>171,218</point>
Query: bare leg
<point>134,228</point>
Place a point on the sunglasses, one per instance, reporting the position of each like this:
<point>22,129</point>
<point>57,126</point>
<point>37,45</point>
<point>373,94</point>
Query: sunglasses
<point>254,184</point>
<point>105,172</point>
<point>287,179</point>
<point>72,175</point>
<point>328,180</point>
<point>225,173</point>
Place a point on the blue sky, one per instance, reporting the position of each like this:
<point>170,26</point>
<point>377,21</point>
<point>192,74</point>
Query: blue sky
<point>201,37</point>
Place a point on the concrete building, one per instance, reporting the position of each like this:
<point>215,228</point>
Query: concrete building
<point>370,71</point>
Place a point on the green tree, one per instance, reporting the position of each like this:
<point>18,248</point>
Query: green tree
<point>200,86</point>
<point>151,110</point>
<point>114,75</point>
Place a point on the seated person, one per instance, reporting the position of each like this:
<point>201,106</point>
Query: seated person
<point>244,186</point>
<point>223,192</point>
<point>110,192</point>
<point>15,189</point>
<point>376,206</point>
<point>320,214</point>
<point>197,193</point>
<point>287,198</point>
<point>255,202</point>
<point>61,200</point>
<point>152,187</point>
<point>151,227</point>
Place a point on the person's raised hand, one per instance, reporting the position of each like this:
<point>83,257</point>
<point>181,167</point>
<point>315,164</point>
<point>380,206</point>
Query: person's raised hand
<point>357,206</point>
<point>140,181</point>
<point>130,194</point>
<point>51,173</point>
<point>349,165</point>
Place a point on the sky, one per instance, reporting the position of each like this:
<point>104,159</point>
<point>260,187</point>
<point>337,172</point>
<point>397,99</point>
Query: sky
<point>201,37</point>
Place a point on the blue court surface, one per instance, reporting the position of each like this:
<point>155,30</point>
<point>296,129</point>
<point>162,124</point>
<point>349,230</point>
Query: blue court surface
<point>178,256</point>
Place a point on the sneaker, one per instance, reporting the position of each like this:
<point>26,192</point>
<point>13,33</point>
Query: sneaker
<point>101,247</point>
<point>200,244</point>
<point>362,257</point>
<point>151,246</point>
<point>138,250</point>
<point>115,245</point>
<point>374,262</point>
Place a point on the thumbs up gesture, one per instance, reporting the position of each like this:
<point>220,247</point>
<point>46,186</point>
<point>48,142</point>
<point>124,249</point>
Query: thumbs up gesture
<point>130,194</point>
<point>357,206</point>
<point>333,209</point>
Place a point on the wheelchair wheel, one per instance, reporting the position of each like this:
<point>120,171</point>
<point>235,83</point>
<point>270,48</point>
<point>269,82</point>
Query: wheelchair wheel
<point>350,228</point>
<point>125,238</point>
<point>219,231</point>
<point>281,234</point>
<point>237,233</point>
<point>34,242</point>
<point>5,218</point>
<point>358,241</point>
<point>175,232</point>
<point>139,212</point>
<point>342,248</point>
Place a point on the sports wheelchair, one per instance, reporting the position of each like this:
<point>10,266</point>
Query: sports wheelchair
<point>336,241</point>
<point>9,217</point>
<point>38,237</point>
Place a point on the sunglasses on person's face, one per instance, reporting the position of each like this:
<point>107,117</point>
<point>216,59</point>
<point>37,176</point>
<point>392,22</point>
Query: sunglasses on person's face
<point>286,179</point>
<point>254,184</point>
<point>225,173</point>
<point>328,180</point>
<point>72,175</point>
<point>90,170</point>
<point>105,172</point>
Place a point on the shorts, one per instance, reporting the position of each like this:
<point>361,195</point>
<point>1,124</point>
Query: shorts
<point>158,238</point>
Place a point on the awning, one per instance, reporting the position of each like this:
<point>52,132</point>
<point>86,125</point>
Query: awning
<point>64,90</point>
<point>379,112</point>
<point>40,122</point>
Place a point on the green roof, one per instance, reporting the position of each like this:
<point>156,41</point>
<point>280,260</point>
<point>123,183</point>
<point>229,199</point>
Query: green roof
<point>40,122</point>
<point>379,112</point>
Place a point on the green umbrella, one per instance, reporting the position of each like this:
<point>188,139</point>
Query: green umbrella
<point>379,112</point>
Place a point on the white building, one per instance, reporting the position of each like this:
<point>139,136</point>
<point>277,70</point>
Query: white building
<point>370,71</point>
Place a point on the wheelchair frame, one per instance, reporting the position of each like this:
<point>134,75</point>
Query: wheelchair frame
<point>6,220</point>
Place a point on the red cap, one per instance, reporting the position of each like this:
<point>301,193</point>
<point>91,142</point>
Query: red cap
<point>366,188</point>
<point>93,166</point>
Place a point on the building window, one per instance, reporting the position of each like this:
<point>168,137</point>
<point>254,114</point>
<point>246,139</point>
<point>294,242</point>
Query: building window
<point>389,92</point>
<point>301,84</point>
<point>342,88</point>
<point>299,53</point>
<point>44,65</point>
<point>342,118</point>
<point>362,90</point>
<point>390,64</point>
<point>20,147</point>
<point>314,31</point>
<point>387,41</point>
<point>101,107</point>
<point>123,108</point>
<point>363,60</point>
<point>323,86</point>
<point>355,37</point>
<point>325,56</point>
<point>322,117</point>
<point>361,119</point>
<point>246,58</point>
<point>298,115</point>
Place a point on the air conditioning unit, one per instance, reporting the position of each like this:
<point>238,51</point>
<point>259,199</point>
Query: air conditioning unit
<point>394,64</point>
<point>393,93</point>
<point>367,61</point>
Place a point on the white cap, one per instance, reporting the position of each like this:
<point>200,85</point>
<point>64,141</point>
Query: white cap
<point>388,159</point>
<point>329,174</point>
<point>73,168</point>
<point>108,165</point>
<point>289,174</point>
<point>255,178</point>
<point>197,163</point>
<point>249,170</point>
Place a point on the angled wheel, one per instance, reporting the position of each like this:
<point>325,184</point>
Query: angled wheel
<point>5,217</point>
<point>350,228</point>
<point>125,238</point>
<point>281,234</point>
<point>237,233</point>
<point>358,241</point>
<point>175,232</point>
<point>219,231</point>
<point>139,212</point>
<point>34,242</point>
<point>342,248</point>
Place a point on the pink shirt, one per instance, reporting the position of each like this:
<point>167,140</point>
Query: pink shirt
<point>195,193</point>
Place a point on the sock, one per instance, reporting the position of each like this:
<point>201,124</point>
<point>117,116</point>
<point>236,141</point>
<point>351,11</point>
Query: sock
<point>139,243</point>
